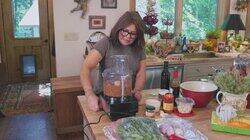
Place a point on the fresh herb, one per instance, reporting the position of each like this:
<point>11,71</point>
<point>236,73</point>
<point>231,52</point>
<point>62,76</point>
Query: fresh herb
<point>138,128</point>
<point>215,34</point>
<point>232,82</point>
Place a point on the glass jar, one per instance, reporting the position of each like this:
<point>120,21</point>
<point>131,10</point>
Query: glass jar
<point>150,111</point>
<point>168,103</point>
<point>117,80</point>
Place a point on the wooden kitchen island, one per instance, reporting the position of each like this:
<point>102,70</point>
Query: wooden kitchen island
<point>201,120</point>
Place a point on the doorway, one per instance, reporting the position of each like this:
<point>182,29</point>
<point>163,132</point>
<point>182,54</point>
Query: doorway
<point>28,32</point>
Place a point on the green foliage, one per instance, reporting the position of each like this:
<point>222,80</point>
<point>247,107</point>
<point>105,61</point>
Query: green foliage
<point>232,82</point>
<point>149,49</point>
<point>213,34</point>
<point>198,17</point>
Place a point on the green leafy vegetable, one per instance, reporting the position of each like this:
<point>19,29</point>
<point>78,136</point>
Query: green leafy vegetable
<point>139,128</point>
<point>232,82</point>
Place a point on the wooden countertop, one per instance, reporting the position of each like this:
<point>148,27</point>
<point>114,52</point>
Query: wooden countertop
<point>201,119</point>
<point>66,84</point>
<point>153,60</point>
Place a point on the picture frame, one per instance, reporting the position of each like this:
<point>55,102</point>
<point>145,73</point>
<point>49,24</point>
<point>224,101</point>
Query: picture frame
<point>97,22</point>
<point>109,4</point>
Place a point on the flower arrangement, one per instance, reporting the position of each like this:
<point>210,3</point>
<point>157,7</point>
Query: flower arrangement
<point>232,82</point>
<point>208,45</point>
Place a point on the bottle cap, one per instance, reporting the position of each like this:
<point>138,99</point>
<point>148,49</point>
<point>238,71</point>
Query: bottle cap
<point>163,91</point>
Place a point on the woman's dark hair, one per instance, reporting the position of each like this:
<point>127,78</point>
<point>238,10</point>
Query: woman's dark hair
<point>129,17</point>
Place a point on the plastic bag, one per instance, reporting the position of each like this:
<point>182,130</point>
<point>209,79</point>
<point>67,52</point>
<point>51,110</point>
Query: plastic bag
<point>138,128</point>
<point>171,125</point>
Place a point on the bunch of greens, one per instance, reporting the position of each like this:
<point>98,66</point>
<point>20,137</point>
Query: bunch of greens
<point>139,128</point>
<point>232,82</point>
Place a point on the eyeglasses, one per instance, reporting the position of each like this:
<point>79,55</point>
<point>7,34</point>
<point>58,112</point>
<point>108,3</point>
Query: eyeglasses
<point>125,32</point>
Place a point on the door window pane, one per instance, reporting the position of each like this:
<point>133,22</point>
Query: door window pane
<point>26,18</point>
<point>28,65</point>
<point>199,16</point>
<point>165,9</point>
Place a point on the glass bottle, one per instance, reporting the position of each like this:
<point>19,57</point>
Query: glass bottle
<point>175,84</point>
<point>165,76</point>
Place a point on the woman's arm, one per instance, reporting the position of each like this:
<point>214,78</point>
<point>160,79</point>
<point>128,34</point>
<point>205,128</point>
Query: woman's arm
<point>140,79</point>
<point>88,65</point>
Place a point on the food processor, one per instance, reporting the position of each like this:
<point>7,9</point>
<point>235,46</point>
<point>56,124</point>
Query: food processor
<point>117,98</point>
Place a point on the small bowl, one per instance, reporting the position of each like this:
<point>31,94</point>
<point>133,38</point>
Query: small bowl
<point>154,102</point>
<point>184,104</point>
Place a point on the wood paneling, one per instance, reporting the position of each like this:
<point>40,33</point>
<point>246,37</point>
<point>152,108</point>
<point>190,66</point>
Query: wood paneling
<point>222,11</point>
<point>2,53</point>
<point>132,4</point>
<point>67,113</point>
<point>51,39</point>
<point>3,68</point>
<point>247,33</point>
<point>178,16</point>
<point>15,47</point>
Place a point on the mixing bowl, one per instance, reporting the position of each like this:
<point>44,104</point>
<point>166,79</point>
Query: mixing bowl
<point>201,92</point>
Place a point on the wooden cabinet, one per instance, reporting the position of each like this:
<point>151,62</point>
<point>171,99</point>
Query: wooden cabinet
<point>67,113</point>
<point>199,70</point>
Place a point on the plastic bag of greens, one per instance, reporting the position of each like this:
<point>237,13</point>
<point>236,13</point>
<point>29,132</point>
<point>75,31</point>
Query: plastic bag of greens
<point>132,128</point>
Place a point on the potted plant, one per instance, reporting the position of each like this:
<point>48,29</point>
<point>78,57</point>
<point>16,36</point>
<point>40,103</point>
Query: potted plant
<point>213,36</point>
<point>234,88</point>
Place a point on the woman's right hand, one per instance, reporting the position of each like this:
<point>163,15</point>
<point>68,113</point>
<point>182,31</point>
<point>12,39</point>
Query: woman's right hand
<point>93,101</point>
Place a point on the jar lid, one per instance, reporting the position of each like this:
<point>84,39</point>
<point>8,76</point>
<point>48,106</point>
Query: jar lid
<point>150,108</point>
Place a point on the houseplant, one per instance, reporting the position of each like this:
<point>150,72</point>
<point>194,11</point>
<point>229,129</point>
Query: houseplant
<point>213,35</point>
<point>234,88</point>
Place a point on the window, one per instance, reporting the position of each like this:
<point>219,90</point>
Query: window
<point>197,16</point>
<point>162,12</point>
<point>26,18</point>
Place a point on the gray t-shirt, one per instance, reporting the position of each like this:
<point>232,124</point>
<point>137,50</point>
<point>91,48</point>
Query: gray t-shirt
<point>106,49</point>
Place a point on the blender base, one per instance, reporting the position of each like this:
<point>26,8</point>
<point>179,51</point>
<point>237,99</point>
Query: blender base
<point>116,109</point>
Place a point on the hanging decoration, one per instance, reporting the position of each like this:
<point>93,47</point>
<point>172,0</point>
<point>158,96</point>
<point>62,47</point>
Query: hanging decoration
<point>241,5</point>
<point>151,19</point>
<point>81,6</point>
<point>165,34</point>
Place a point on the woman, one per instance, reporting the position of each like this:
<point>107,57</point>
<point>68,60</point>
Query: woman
<point>126,38</point>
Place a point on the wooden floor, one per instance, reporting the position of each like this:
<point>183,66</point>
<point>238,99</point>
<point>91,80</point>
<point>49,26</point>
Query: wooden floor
<point>37,126</point>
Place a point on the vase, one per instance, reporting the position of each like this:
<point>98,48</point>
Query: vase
<point>238,101</point>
